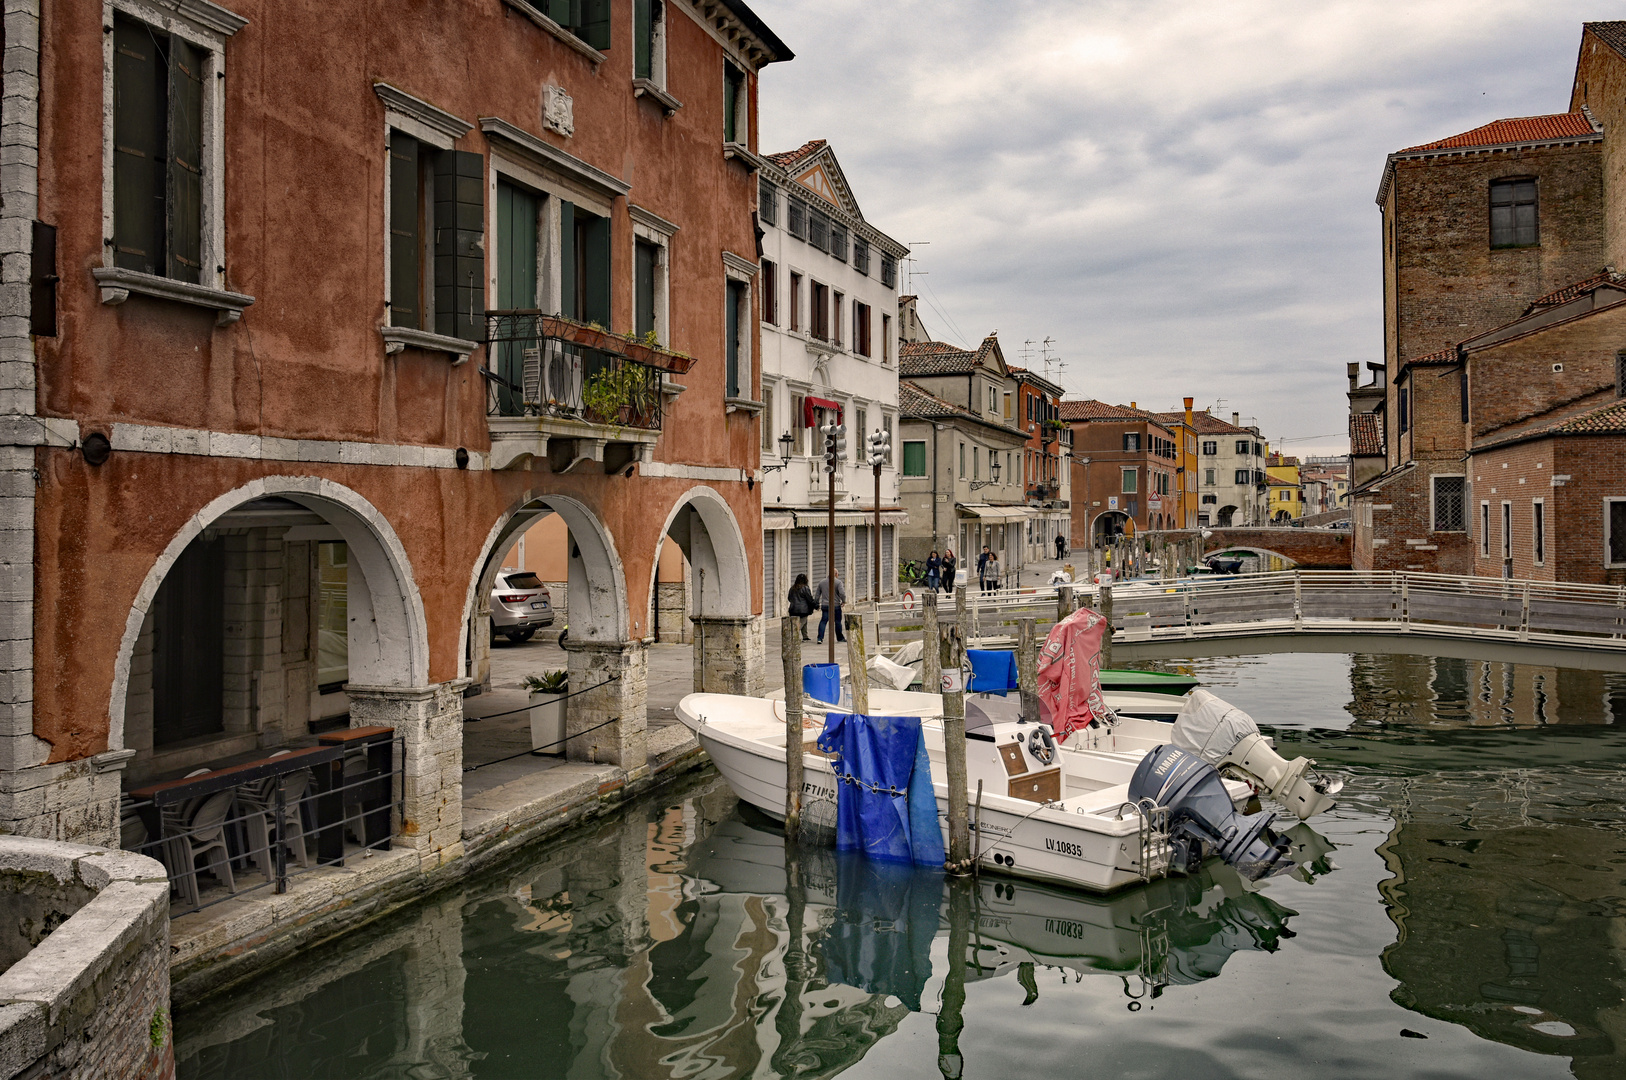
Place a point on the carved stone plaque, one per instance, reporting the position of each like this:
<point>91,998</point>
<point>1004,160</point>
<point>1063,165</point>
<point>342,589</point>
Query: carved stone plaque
<point>558,110</point>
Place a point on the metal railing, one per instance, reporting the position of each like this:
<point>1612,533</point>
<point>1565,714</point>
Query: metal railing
<point>315,807</point>
<point>537,374</point>
<point>1307,601</point>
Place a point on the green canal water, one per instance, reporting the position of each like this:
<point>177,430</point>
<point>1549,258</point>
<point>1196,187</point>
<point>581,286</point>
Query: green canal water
<point>1461,913</point>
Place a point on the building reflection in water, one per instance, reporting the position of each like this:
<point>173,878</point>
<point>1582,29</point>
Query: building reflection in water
<point>1442,690</point>
<point>684,941</point>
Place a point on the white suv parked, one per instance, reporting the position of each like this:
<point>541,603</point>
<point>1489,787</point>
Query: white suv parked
<point>520,605</point>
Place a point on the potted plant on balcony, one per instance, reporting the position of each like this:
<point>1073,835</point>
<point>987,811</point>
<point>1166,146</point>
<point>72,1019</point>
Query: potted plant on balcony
<point>622,395</point>
<point>547,699</point>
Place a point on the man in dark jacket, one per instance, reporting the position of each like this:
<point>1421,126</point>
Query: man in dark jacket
<point>822,595</point>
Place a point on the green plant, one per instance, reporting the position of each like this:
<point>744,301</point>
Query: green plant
<point>619,392</point>
<point>549,682</point>
<point>156,1029</point>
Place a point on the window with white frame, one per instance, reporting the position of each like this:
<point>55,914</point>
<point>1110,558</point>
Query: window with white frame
<point>163,84</point>
<point>651,286</point>
<point>1211,448</point>
<point>770,435</point>
<point>649,41</point>
<point>737,361</point>
<point>1614,532</point>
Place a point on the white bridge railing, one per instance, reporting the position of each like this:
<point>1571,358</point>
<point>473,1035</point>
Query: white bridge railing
<point>1302,601</point>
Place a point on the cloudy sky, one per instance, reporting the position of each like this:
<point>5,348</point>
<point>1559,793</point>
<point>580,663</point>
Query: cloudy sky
<point>1179,192</point>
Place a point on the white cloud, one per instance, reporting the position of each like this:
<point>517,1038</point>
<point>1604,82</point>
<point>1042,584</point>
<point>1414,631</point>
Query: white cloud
<point>1179,193</point>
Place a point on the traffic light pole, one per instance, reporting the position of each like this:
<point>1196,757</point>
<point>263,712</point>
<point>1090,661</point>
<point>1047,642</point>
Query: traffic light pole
<point>875,566</point>
<point>833,462</point>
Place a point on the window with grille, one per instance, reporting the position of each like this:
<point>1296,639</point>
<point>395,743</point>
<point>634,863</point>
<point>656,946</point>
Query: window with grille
<point>1450,506</point>
<point>796,217</point>
<point>889,271</point>
<point>861,256</point>
<point>838,241</point>
<point>818,230</point>
<point>1513,213</point>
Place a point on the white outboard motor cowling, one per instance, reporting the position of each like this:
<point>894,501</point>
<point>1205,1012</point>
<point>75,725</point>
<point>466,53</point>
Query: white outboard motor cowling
<point>1228,739</point>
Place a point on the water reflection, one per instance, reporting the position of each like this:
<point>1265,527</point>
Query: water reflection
<point>1446,691</point>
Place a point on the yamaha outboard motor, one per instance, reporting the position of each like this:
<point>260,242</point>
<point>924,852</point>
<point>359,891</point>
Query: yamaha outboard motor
<point>1202,820</point>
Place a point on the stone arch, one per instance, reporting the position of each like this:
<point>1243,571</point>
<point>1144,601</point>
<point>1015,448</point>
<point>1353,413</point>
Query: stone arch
<point>1225,518</point>
<point>717,547</point>
<point>1253,549</point>
<point>597,607</point>
<point>389,639</point>
<point>1105,522</point>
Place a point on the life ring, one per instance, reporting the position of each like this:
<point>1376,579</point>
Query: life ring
<point>1042,745</point>
<point>908,599</point>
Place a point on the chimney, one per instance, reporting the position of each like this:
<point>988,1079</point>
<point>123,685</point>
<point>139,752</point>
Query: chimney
<point>1132,405</point>
<point>1354,374</point>
<point>1236,419</point>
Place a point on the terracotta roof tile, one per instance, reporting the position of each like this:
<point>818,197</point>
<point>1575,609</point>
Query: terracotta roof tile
<point>1608,419</point>
<point>788,158</point>
<point>917,358</point>
<point>1579,288</point>
<point>1091,409</point>
<point>1518,129</point>
<point>1366,435</point>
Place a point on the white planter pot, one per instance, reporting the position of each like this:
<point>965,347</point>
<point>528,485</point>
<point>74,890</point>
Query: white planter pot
<point>547,723</point>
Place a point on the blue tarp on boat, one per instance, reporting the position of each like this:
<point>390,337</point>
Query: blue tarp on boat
<point>993,671</point>
<point>885,807</point>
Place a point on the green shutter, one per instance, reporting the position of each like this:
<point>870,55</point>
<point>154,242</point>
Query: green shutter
<point>644,281</point>
<point>567,13</point>
<point>643,39</point>
<point>139,148</point>
<point>568,307</point>
<point>731,329</point>
<point>731,102</point>
<point>593,235</point>
<point>460,264</point>
<point>914,459</point>
<point>185,188</point>
<point>595,23</point>
<point>517,211</point>
<point>406,227</point>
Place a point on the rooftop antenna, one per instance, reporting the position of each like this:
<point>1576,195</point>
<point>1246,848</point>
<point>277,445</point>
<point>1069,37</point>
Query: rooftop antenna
<point>1027,352</point>
<point>910,260</point>
<point>1052,364</point>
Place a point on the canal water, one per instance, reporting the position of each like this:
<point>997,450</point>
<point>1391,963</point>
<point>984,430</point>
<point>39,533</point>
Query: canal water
<point>1461,913</point>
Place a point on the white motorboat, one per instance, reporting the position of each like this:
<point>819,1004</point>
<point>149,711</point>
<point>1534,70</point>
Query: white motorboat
<point>1072,818</point>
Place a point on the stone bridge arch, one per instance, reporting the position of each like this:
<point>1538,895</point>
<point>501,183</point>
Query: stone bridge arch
<point>1307,549</point>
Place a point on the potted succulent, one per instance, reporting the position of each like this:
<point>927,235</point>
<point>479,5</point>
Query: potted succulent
<point>547,698</point>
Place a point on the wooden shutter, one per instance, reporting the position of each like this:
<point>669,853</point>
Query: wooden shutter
<point>770,292</point>
<point>406,228</point>
<point>140,86</point>
<point>460,263</point>
<point>42,279</point>
<point>593,258</point>
<point>185,161</point>
<point>567,13</point>
<point>568,305</point>
<point>734,300</point>
<point>733,84</point>
<point>643,39</point>
<point>595,23</point>
<point>645,257</point>
<point>517,215</point>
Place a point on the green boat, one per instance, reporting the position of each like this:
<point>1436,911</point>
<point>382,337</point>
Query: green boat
<point>1147,682</point>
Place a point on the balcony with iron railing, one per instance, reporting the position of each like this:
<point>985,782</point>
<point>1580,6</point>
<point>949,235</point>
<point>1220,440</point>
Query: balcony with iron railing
<point>575,395</point>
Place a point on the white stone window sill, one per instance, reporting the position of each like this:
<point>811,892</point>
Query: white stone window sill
<point>397,338</point>
<point>576,43</point>
<point>747,405</point>
<point>647,88</point>
<point>735,151</point>
<point>117,284</point>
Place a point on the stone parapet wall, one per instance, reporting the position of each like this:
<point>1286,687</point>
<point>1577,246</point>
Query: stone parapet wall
<point>90,998</point>
<point>429,721</point>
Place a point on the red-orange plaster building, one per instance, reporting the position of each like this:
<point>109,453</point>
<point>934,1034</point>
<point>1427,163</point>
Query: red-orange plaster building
<point>265,445</point>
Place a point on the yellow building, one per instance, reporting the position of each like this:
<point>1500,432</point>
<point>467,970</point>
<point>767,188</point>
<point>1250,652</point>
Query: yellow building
<point>1182,425</point>
<point>1286,488</point>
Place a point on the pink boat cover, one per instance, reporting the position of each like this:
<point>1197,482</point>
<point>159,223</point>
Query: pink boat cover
<point>1070,673</point>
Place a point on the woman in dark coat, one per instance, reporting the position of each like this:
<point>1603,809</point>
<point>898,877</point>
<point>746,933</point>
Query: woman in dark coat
<point>949,565</point>
<point>934,571</point>
<point>800,602</point>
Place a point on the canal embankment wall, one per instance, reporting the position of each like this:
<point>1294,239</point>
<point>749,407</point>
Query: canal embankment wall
<point>85,987</point>
<point>237,938</point>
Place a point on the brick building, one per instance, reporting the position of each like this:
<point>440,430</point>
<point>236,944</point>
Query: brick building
<point>293,350</point>
<point>1125,470</point>
<point>1497,248</point>
<point>1047,479</point>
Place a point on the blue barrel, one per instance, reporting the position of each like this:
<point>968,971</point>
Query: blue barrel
<point>822,681</point>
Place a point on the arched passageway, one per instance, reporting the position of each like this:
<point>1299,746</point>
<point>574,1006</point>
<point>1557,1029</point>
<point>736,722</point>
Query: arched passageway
<point>727,637</point>
<point>266,617</point>
<point>1107,525</point>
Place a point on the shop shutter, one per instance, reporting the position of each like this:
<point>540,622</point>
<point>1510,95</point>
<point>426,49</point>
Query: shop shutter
<point>889,562</point>
<point>770,584</point>
<point>841,560</point>
<point>861,562</point>
<point>798,553</point>
<point>816,550</point>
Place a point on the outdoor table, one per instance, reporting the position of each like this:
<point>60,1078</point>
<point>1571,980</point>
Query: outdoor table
<point>372,786</point>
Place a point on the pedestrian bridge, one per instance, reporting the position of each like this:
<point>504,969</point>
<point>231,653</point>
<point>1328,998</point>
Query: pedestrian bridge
<point>1309,549</point>
<point>1577,626</point>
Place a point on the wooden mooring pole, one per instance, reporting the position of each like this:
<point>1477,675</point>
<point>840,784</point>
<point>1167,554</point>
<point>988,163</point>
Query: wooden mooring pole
<point>858,664</point>
<point>951,648</point>
<point>931,668</point>
<point>1106,613</point>
<point>790,654</point>
<point>1027,670</point>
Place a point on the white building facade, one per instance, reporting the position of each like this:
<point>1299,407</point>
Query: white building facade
<point>829,293</point>
<point>1231,471</point>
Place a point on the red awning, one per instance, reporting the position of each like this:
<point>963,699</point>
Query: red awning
<point>811,403</point>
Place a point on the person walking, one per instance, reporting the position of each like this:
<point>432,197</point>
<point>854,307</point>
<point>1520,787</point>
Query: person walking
<point>934,571</point>
<point>821,595</point>
<point>800,602</point>
<point>950,568</point>
<point>990,573</point>
<point>1061,546</point>
<point>982,564</point>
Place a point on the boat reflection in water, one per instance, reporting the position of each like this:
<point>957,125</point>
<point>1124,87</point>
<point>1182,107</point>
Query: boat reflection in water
<point>681,939</point>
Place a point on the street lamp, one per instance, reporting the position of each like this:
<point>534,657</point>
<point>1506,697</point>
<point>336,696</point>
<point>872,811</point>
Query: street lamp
<point>993,471</point>
<point>787,443</point>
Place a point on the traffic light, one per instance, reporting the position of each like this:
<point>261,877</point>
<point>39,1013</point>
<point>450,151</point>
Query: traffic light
<point>835,445</point>
<point>880,445</point>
